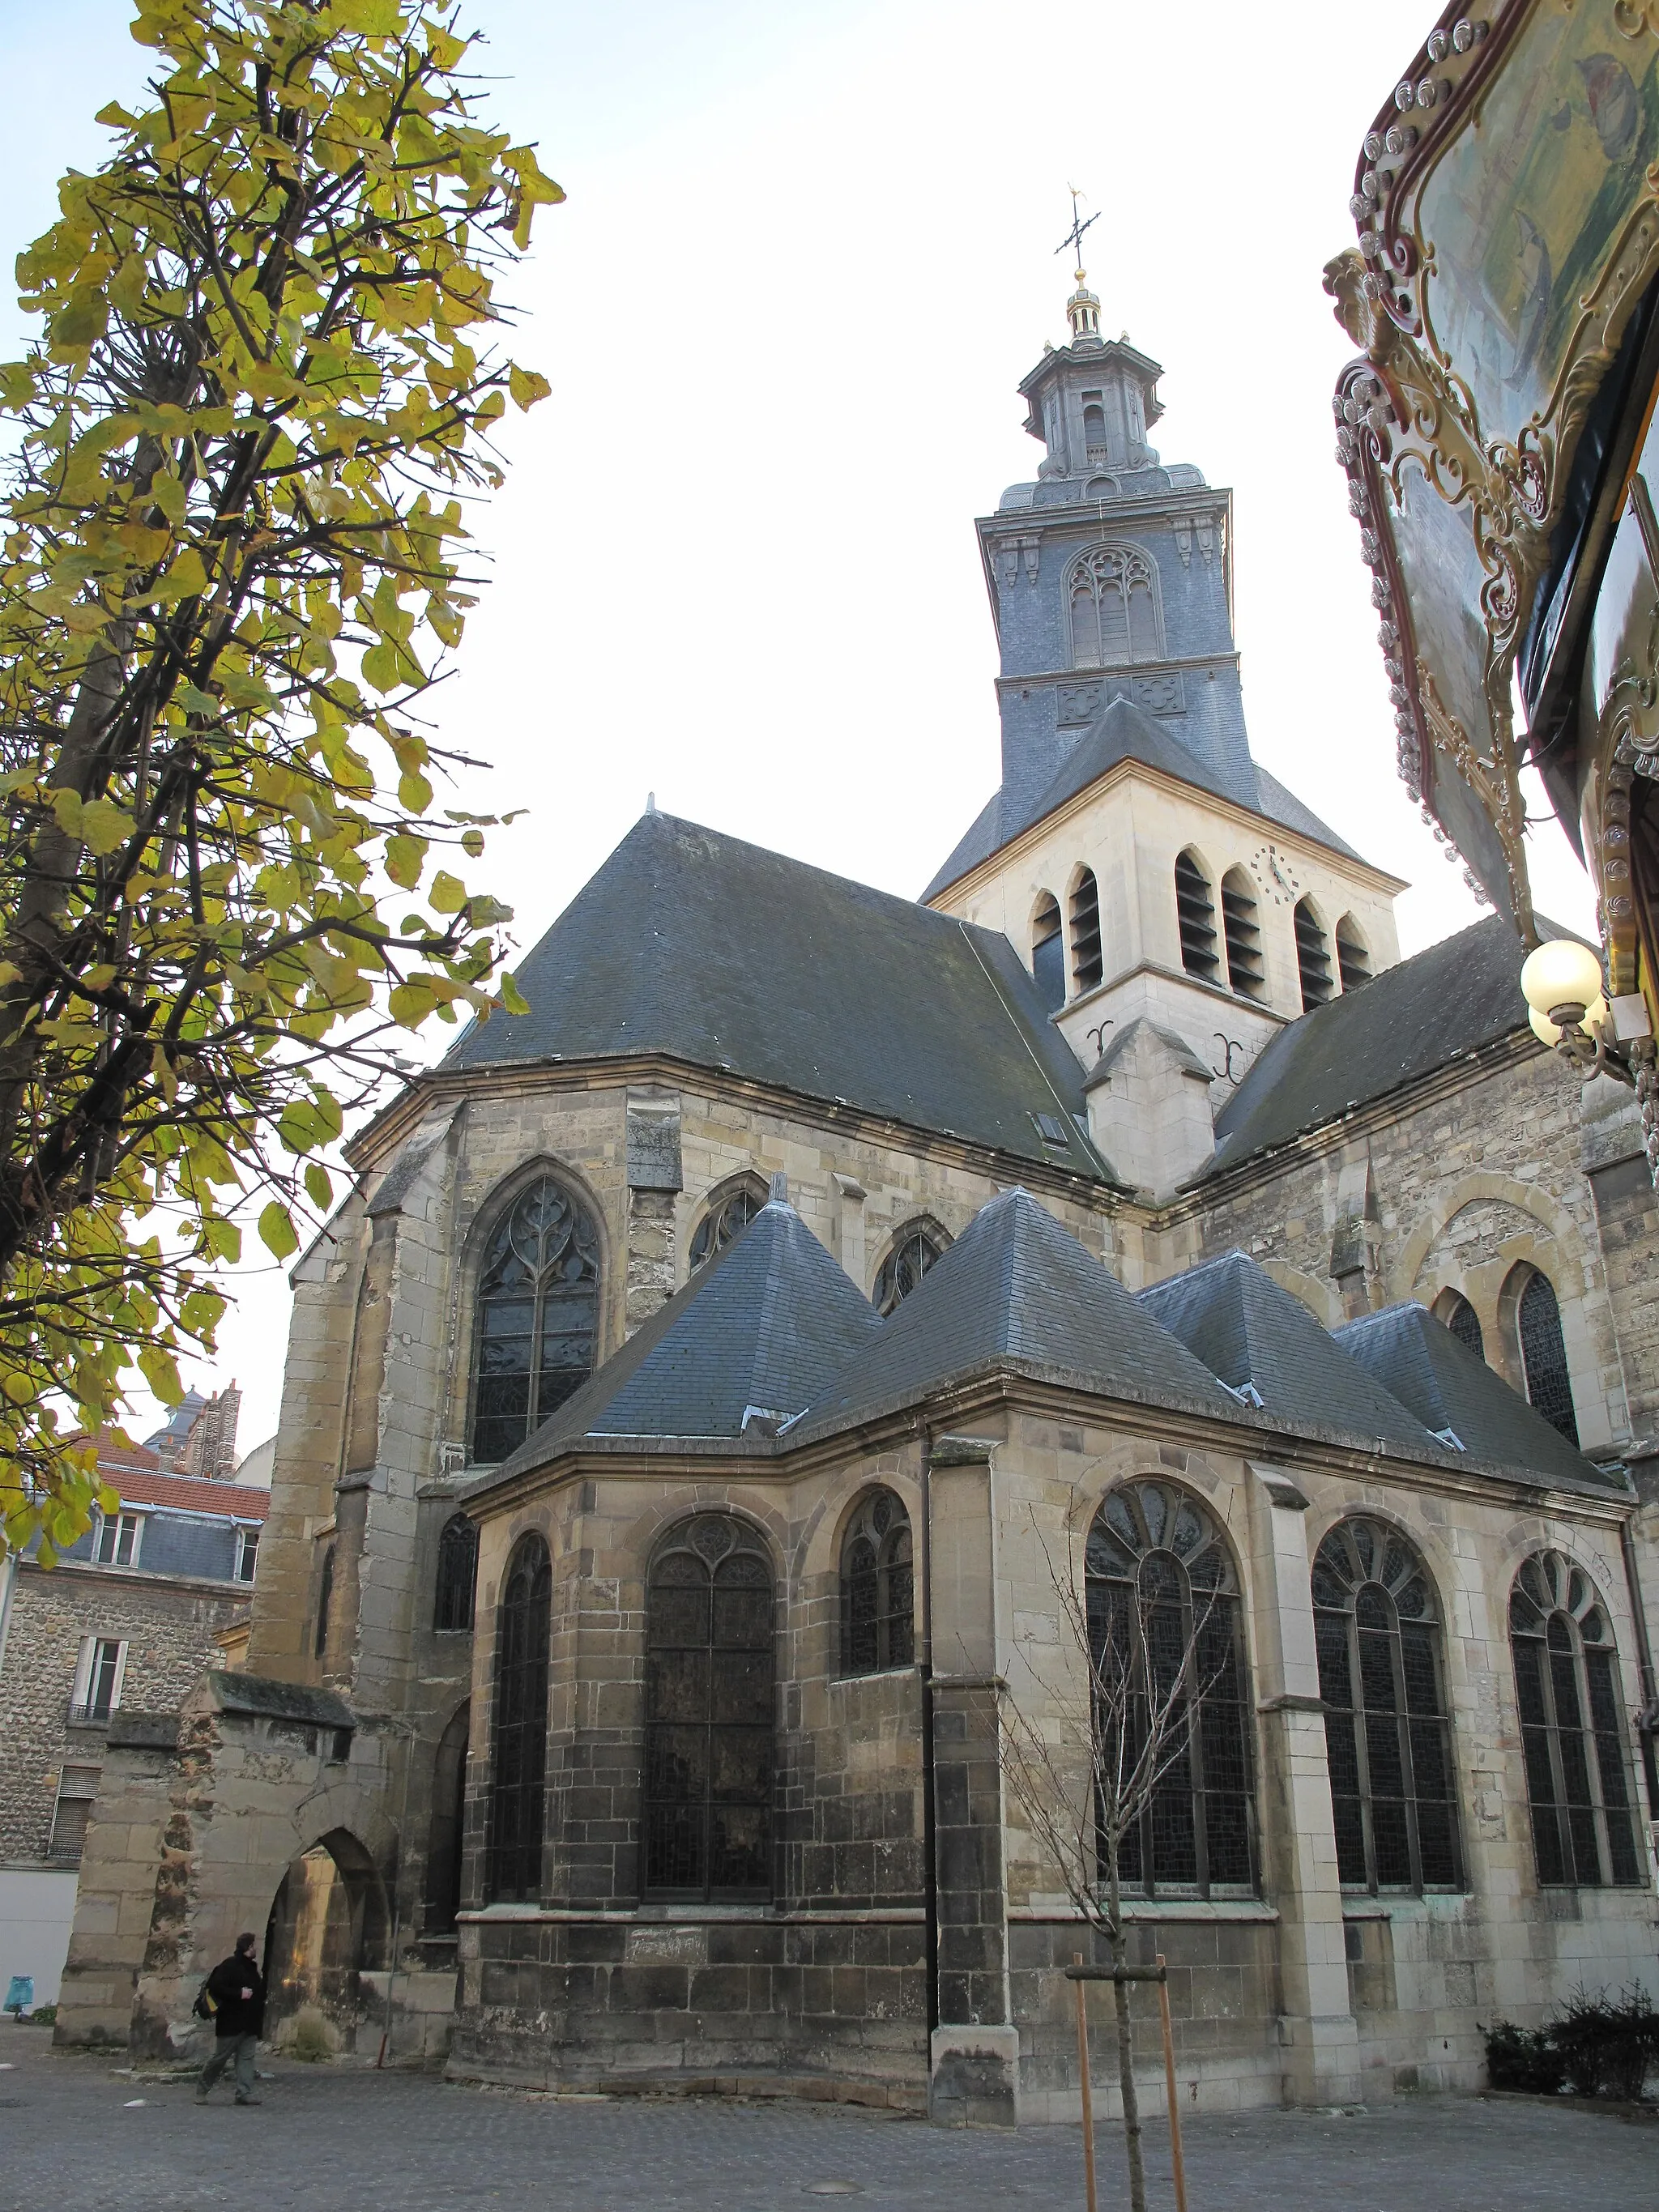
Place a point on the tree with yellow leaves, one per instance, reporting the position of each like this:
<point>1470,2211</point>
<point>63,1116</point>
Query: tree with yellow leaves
<point>243,447</point>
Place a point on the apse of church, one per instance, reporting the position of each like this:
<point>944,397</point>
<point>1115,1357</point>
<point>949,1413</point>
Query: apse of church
<point>688,1412</point>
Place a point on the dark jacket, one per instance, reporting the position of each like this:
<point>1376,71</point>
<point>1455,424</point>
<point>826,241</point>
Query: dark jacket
<point>237,2014</point>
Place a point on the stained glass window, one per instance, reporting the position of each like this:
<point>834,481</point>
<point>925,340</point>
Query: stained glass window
<point>1544,1356</point>
<point>1572,1729</point>
<point>904,1267</point>
<point>458,1567</point>
<point>519,1746</point>
<point>877,1588</point>
<point>708,1697</point>
<point>1162,1602</point>
<point>1388,1738</point>
<point>1461,1319</point>
<point>725,1219</point>
<point>538,1310</point>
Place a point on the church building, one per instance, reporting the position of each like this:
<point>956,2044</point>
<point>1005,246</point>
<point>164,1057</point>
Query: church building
<point>697,1413</point>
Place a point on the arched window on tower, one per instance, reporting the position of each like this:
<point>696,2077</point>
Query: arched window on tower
<point>325,1602</point>
<point>1387,1739</point>
<point>1313,955</point>
<point>518,1739</point>
<point>708,1690</point>
<point>1353,959</point>
<point>1572,1729</point>
<point>1196,917</point>
<point>877,1597</point>
<point>1246,970</point>
<point>538,1311</point>
<point>1048,953</point>
<point>914,1251</point>
<point>1087,965</point>
<point>1544,1355</point>
<point>457,1570</point>
<point>728,1215</point>
<point>1112,591</point>
<point>1461,1319</point>
<point>1161,1584</point>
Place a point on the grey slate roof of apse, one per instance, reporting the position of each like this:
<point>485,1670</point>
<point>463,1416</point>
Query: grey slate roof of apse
<point>1120,731</point>
<point>1456,998</point>
<point>1447,1386</point>
<point>722,954</point>
<point>1249,1329</point>
<point>1018,1289</point>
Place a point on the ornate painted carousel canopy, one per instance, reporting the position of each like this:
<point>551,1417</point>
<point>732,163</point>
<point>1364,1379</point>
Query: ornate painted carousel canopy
<point>1502,457</point>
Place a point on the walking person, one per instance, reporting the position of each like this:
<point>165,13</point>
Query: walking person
<point>234,1994</point>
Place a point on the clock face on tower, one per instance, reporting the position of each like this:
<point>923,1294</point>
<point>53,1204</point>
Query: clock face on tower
<point>1275,873</point>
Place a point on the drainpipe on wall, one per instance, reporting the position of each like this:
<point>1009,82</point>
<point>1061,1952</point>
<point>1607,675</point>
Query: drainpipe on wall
<point>925,1664</point>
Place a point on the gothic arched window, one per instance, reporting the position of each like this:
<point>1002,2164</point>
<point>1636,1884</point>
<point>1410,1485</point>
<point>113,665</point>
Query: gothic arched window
<point>1048,953</point>
<point>1388,1738</point>
<point>1246,971</point>
<point>1461,1319</point>
<point>1195,918</point>
<point>1544,1355</point>
<point>537,1316</point>
<point>1112,591</point>
<point>728,1216</point>
<point>519,1747</point>
<point>1572,1735</point>
<point>913,1253</point>
<point>1087,966</point>
<point>1353,960</point>
<point>457,1569</point>
<point>446,1832</point>
<point>1313,956</point>
<point>324,1601</point>
<point>878,1626</point>
<point>708,1694</point>
<point>1162,1593</point>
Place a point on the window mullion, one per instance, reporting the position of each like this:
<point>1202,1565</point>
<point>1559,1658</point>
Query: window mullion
<point>1194,1722</point>
<point>1408,1765</point>
<point>1362,1749</point>
<point>1592,1756</point>
<point>1558,1764</point>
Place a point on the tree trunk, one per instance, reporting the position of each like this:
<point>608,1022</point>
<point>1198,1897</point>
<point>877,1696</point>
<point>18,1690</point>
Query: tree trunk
<point>1125,2057</point>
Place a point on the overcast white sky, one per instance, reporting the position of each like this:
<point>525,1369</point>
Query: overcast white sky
<point>807,255</point>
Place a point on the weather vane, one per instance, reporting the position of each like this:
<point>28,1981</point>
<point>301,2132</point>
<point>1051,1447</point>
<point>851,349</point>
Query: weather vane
<point>1074,237</point>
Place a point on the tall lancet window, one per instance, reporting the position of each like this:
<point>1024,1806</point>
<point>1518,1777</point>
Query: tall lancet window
<point>1113,592</point>
<point>538,1312</point>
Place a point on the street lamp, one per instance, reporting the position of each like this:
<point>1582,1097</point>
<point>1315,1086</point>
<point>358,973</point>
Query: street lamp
<point>1562,984</point>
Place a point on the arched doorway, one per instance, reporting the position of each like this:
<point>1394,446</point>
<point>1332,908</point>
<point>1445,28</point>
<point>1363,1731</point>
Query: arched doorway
<point>327,1926</point>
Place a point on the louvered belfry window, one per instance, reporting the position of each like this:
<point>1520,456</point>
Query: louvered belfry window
<point>1572,1728</point>
<point>1353,962</point>
<point>1544,1356</point>
<point>1195,918</point>
<point>709,1730</point>
<point>877,1588</point>
<point>1388,1738</point>
<point>1312,957</point>
<point>1161,1582</point>
<point>1048,953</point>
<point>1087,966</point>
<point>1246,970</point>
<point>518,1739</point>
<point>537,1314</point>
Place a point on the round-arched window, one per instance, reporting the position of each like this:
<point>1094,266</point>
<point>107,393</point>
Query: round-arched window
<point>1573,1727</point>
<point>1166,1639</point>
<point>537,1316</point>
<point>724,1220</point>
<point>1387,1739</point>
<point>912,1256</point>
<point>877,1627</point>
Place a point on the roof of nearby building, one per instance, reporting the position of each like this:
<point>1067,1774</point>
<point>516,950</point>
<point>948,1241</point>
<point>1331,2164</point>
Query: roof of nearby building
<point>701,947</point>
<point>183,1493</point>
<point>752,1335</point>
<point>1016,1289</point>
<point>1447,1386</point>
<point>1250,1332</point>
<point>1120,731</point>
<point>1441,1006</point>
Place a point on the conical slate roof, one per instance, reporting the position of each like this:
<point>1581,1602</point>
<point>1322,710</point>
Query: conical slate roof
<point>1447,1386</point>
<point>1252,1333</point>
<point>719,954</point>
<point>1018,1289</point>
<point>766,1323</point>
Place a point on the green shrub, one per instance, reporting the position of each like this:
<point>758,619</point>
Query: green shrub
<point>1594,2047</point>
<point>1523,2058</point>
<point>42,2016</point>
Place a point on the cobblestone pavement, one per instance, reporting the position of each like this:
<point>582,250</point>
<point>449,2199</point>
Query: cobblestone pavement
<point>342,2139</point>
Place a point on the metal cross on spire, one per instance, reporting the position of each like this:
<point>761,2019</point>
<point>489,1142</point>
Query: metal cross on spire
<point>1074,237</point>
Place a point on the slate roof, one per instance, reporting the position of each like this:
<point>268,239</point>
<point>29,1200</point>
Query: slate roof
<point>763,1326</point>
<point>1249,1330</point>
<point>1447,1386</point>
<point>1017,1289</point>
<point>719,953</point>
<point>1124,731</point>
<point>1454,1000</point>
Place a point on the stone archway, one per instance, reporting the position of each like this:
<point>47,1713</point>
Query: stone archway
<point>328,1927</point>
